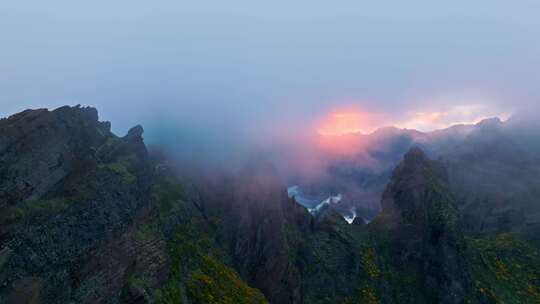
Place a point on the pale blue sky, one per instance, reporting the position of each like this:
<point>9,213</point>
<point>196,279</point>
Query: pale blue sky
<point>226,67</point>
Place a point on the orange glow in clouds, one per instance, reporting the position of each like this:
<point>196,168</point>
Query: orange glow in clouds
<point>341,132</point>
<point>456,115</point>
<point>345,123</point>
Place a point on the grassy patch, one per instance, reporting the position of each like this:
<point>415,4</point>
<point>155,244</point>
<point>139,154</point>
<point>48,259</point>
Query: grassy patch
<point>168,193</point>
<point>368,294</point>
<point>216,283</point>
<point>5,254</point>
<point>294,241</point>
<point>147,231</point>
<point>138,282</point>
<point>401,277</point>
<point>33,208</point>
<point>504,269</point>
<point>120,169</point>
<point>369,261</point>
<point>197,273</point>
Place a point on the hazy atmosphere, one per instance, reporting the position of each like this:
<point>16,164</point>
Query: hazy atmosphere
<point>233,73</point>
<point>270,152</point>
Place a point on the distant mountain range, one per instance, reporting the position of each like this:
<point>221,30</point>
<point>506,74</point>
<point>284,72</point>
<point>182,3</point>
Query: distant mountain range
<point>90,217</point>
<point>493,162</point>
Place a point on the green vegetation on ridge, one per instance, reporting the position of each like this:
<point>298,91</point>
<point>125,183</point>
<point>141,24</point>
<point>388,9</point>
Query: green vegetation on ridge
<point>197,269</point>
<point>504,269</point>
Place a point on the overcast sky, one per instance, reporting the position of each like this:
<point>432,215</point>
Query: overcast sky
<point>218,69</point>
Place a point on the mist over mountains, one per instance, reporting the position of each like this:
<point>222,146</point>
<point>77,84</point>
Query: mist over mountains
<point>91,217</point>
<point>284,152</point>
<point>481,158</point>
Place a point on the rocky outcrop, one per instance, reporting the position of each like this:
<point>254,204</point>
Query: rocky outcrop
<point>258,217</point>
<point>40,148</point>
<point>86,217</point>
<point>67,185</point>
<point>494,175</point>
<point>421,217</point>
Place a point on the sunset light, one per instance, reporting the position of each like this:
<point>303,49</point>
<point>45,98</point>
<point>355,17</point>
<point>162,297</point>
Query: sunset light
<point>456,115</point>
<point>345,123</point>
<point>341,132</point>
<point>351,122</point>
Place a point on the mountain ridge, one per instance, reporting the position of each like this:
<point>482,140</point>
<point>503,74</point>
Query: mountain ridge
<point>114,224</point>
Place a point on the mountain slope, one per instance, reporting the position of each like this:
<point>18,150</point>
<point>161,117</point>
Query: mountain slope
<point>424,236</point>
<point>84,216</point>
<point>89,217</point>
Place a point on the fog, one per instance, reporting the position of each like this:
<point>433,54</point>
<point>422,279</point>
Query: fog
<point>222,80</point>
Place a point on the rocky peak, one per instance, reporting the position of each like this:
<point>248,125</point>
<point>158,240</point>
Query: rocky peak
<point>38,148</point>
<point>87,114</point>
<point>66,185</point>
<point>422,216</point>
<point>135,133</point>
<point>493,122</point>
<point>131,144</point>
<point>406,192</point>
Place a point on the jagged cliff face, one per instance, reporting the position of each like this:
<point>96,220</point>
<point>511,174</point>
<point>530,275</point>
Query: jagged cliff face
<point>40,148</point>
<point>85,217</point>
<point>89,217</point>
<point>495,175</point>
<point>421,218</point>
<point>255,212</point>
<point>422,244</point>
<point>67,185</point>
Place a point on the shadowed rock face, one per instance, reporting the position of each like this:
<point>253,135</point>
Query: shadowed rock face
<point>407,190</point>
<point>256,212</point>
<point>87,217</point>
<point>257,218</point>
<point>421,215</point>
<point>39,148</point>
<point>66,184</point>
